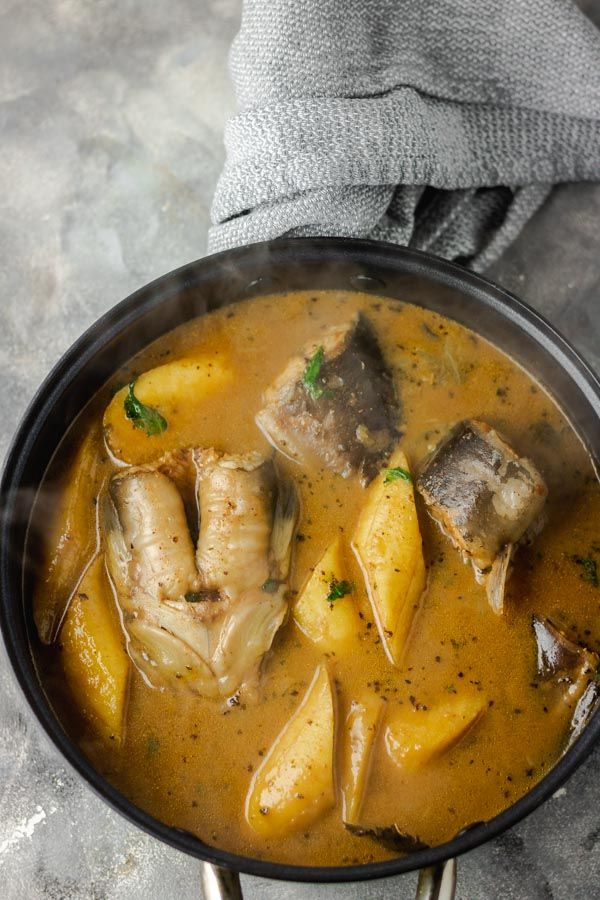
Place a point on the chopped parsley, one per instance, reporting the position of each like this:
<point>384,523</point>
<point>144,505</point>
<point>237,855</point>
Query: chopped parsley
<point>338,589</point>
<point>312,372</point>
<point>270,586</point>
<point>142,416</point>
<point>589,569</point>
<point>211,595</point>
<point>395,474</point>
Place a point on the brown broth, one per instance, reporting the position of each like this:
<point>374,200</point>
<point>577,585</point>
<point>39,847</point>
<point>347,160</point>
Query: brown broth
<point>189,761</point>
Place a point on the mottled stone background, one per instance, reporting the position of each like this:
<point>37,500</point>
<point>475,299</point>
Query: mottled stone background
<point>111,113</point>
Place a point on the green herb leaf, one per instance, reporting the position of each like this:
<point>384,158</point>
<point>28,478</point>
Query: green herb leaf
<point>395,474</point>
<point>589,569</point>
<point>338,589</point>
<point>311,373</point>
<point>142,416</point>
<point>212,595</point>
<point>270,586</point>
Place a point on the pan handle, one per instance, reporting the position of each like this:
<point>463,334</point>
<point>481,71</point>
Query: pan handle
<point>437,882</point>
<point>220,884</point>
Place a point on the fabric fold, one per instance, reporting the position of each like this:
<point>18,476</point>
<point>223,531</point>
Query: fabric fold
<point>439,125</point>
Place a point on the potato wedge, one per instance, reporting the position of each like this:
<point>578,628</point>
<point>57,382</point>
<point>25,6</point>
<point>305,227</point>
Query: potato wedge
<point>415,736</point>
<point>72,540</point>
<point>294,784</point>
<point>360,730</point>
<point>166,388</point>
<point>387,543</point>
<point>93,655</point>
<point>332,625</point>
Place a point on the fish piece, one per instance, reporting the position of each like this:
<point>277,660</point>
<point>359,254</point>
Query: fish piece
<point>150,560</point>
<point>586,707</point>
<point>202,617</point>
<point>485,498</point>
<point>387,544</point>
<point>495,584</point>
<point>294,784</point>
<point>325,610</point>
<point>236,499</point>
<point>568,671</point>
<point>335,403</point>
<point>561,659</point>
<point>413,737</point>
<point>247,520</point>
<point>153,520</point>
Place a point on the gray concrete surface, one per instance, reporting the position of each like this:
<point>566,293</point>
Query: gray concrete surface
<point>110,119</point>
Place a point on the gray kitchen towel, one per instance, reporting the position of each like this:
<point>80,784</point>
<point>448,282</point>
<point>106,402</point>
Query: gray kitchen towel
<point>441,124</point>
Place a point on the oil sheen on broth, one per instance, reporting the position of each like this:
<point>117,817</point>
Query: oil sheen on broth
<point>191,761</point>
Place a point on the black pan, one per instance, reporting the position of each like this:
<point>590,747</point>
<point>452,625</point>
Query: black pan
<point>312,263</point>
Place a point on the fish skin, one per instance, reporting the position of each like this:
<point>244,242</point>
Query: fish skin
<point>236,497</point>
<point>483,495</point>
<point>569,672</point>
<point>352,426</point>
<point>152,517</point>
<point>560,657</point>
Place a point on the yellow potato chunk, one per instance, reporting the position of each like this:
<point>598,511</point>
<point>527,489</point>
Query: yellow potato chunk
<point>332,625</point>
<point>294,784</point>
<point>415,736</point>
<point>72,540</point>
<point>166,389</point>
<point>93,657</point>
<point>387,543</point>
<point>360,730</point>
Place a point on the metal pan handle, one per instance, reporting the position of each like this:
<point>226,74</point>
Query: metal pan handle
<point>220,884</point>
<point>436,883</point>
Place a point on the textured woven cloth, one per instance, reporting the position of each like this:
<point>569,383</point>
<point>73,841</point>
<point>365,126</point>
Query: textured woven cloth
<point>440,124</point>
